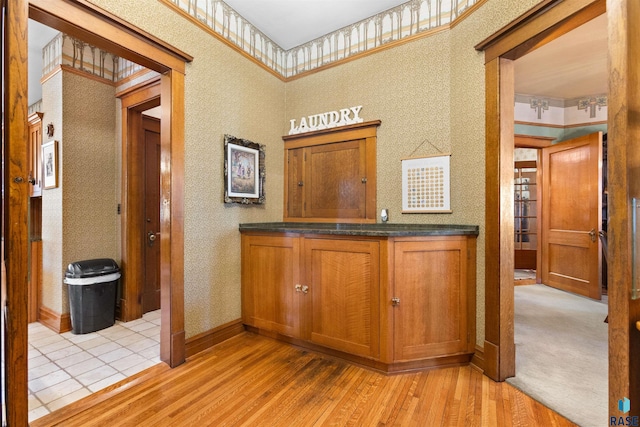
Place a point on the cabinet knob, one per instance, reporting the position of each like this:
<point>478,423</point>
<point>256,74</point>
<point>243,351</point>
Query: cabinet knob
<point>395,301</point>
<point>302,288</point>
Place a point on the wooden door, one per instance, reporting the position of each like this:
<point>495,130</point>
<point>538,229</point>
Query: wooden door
<point>571,215</point>
<point>270,273</point>
<point>526,215</point>
<point>151,282</point>
<point>343,277</point>
<point>431,312</point>
<point>15,232</point>
<point>335,185</point>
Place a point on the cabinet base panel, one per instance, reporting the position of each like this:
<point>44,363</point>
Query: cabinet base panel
<point>376,365</point>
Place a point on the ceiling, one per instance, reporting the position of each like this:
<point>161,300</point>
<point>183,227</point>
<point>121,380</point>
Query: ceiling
<point>571,66</point>
<point>290,23</point>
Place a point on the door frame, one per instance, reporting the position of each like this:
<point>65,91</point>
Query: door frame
<point>543,23</point>
<point>83,20</point>
<point>15,211</point>
<point>134,101</point>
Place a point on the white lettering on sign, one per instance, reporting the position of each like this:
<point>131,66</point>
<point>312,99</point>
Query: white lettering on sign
<point>330,119</point>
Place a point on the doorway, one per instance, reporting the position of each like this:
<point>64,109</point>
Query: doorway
<point>543,23</point>
<point>141,238</point>
<point>86,21</point>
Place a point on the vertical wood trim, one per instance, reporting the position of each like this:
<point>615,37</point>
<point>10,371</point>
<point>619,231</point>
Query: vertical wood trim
<point>172,350</point>
<point>132,151</point>
<point>499,334</point>
<point>16,137</point>
<point>133,103</point>
<point>623,145</point>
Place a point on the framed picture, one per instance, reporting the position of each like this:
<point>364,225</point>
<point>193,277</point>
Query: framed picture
<point>244,171</point>
<point>426,184</point>
<point>50,164</point>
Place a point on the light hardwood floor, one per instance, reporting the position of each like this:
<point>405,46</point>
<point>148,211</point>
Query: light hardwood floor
<point>250,380</point>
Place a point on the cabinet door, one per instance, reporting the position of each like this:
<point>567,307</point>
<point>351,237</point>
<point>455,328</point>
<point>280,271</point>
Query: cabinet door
<point>270,271</point>
<point>344,283</point>
<point>295,182</point>
<point>430,280</point>
<point>336,181</point>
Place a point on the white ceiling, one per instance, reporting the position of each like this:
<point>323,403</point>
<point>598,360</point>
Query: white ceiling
<point>290,23</point>
<point>571,66</point>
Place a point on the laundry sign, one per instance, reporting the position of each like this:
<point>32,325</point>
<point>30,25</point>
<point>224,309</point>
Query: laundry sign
<point>330,119</point>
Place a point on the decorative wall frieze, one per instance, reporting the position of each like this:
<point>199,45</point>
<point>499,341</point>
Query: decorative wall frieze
<point>395,24</point>
<point>589,104</point>
<point>539,104</point>
<point>74,53</point>
<point>547,111</point>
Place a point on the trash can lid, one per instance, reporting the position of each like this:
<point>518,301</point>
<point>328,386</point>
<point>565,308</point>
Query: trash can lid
<point>92,268</point>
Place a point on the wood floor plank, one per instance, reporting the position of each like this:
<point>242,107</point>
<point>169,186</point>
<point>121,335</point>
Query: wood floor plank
<point>250,380</point>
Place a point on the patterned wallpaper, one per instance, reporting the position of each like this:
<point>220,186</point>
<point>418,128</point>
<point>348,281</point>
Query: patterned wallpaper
<point>79,216</point>
<point>431,88</point>
<point>400,22</point>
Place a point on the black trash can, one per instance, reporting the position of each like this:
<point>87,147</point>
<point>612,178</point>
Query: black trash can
<point>92,294</point>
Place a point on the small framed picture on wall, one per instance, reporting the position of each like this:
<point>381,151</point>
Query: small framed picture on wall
<point>426,184</point>
<point>50,164</point>
<point>244,171</point>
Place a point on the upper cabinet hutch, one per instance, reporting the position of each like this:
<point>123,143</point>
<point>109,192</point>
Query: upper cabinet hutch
<point>330,175</point>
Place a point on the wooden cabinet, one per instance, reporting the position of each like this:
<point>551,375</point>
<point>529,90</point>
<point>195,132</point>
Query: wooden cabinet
<point>330,175</point>
<point>35,154</point>
<point>435,298</point>
<point>393,303</point>
<point>344,287</point>
<point>270,271</point>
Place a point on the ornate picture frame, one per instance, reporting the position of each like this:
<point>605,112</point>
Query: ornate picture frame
<point>244,171</point>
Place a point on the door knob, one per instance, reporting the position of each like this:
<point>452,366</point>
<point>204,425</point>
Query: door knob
<point>592,234</point>
<point>151,237</point>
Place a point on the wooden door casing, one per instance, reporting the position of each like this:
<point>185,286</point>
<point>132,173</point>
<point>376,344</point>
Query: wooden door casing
<point>343,277</point>
<point>16,192</point>
<point>151,283</point>
<point>270,271</point>
<point>571,215</point>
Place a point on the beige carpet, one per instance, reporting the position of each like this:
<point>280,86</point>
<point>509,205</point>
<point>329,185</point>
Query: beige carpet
<point>561,352</point>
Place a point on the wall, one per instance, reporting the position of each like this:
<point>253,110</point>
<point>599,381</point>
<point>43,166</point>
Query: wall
<point>79,217</point>
<point>52,286</point>
<point>224,94</point>
<point>429,92</point>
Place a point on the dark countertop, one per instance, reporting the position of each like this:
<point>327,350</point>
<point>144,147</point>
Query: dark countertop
<point>376,230</point>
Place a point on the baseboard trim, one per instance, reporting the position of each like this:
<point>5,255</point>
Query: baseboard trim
<point>53,320</point>
<point>477,361</point>
<point>208,339</point>
<point>491,361</point>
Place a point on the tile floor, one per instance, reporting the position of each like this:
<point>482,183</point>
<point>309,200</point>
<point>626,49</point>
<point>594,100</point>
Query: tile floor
<point>65,367</point>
